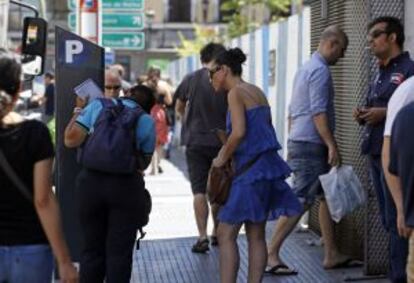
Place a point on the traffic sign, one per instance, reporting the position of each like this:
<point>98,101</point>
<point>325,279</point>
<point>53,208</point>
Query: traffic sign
<point>71,4</point>
<point>109,57</point>
<point>114,4</point>
<point>123,4</point>
<point>122,21</point>
<point>118,40</point>
<point>114,21</point>
<point>72,21</point>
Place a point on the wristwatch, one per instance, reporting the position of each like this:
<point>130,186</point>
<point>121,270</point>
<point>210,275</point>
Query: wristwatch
<point>77,110</point>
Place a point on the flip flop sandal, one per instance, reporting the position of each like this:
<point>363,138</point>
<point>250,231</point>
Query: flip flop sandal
<point>280,269</point>
<point>201,246</point>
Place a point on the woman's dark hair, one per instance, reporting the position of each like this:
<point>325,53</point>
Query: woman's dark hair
<point>394,25</point>
<point>232,58</point>
<point>144,96</point>
<point>10,71</point>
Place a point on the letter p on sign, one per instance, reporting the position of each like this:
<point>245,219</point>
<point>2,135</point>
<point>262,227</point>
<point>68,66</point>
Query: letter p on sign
<point>72,47</point>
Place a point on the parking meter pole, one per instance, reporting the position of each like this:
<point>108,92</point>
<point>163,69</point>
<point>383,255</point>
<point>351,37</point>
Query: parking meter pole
<point>77,60</point>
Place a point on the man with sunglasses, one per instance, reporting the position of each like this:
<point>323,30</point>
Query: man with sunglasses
<point>386,39</point>
<point>113,83</point>
<point>202,110</point>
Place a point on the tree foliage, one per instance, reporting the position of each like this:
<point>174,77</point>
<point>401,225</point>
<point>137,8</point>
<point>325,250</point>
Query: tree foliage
<point>203,35</point>
<point>239,24</point>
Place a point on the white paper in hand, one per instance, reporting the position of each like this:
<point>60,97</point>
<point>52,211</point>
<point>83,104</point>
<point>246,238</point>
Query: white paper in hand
<point>88,90</point>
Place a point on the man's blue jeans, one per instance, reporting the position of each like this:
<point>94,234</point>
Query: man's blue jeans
<point>26,263</point>
<point>398,246</point>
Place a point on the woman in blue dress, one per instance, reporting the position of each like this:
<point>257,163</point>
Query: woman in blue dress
<point>260,193</point>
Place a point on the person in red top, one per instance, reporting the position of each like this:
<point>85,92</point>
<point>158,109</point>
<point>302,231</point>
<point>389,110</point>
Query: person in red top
<point>159,115</point>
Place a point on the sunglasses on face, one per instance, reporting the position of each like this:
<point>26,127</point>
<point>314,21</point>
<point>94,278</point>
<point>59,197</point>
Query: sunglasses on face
<point>213,71</point>
<point>377,33</point>
<point>112,87</point>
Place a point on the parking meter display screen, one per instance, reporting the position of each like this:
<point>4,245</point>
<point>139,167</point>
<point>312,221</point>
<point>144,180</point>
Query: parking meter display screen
<point>34,36</point>
<point>31,34</point>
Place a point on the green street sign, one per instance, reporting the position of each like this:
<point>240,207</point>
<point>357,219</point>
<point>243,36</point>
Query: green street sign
<point>71,4</point>
<point>131,41</point>
<point>122,21</point>
<point>123,4</point>
<point>114,4</point>
<point>72,21</point>
<point>127,21</point>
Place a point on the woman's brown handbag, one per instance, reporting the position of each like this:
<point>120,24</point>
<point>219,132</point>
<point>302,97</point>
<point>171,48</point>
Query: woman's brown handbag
<point>220,179</point>
<point>219,183</point>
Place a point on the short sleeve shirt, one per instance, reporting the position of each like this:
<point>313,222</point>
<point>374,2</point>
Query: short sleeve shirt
<point>205,110</point>
<point>23,145</point>
<point>403,95</point>
<point>145,127</point>
<point>402,158</point>
<point>312,94</point>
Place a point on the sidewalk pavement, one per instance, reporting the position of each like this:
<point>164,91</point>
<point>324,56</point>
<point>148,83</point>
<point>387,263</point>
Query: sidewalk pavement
<point>165,255</point>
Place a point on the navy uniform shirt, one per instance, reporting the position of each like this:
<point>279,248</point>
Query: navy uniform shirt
<point>387,81</point>
<point>402,158</point>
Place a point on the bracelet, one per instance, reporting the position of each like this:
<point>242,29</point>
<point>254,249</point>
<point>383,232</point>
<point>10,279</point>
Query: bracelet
<point>77,110</point>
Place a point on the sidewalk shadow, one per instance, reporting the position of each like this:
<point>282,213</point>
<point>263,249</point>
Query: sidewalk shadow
<point>177,159</point>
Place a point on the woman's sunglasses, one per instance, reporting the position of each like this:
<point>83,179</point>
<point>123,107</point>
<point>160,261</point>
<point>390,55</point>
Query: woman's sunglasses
<point>213,71</point>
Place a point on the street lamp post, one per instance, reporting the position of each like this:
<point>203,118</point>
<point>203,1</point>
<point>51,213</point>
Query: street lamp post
<point>149,15</point>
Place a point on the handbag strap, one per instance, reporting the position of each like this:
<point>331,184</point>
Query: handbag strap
<point>14,178</point>
<point>249,164</point>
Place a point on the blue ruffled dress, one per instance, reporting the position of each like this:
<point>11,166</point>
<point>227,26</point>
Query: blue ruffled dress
<point>260,193</point>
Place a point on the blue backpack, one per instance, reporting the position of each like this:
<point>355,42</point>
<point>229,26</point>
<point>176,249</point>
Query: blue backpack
<point>111,147</point>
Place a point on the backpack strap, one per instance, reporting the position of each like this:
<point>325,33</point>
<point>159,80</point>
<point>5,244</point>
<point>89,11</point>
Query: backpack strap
<point>119,103</point>
<point>106,102</point>
<point>137,107</point>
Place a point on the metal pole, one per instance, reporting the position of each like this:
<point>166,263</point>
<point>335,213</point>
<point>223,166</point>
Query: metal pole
<point>30,7</point>
<point>42,8</point>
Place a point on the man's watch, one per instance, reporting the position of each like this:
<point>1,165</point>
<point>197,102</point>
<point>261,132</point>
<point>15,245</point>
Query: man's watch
<point>77,110</point>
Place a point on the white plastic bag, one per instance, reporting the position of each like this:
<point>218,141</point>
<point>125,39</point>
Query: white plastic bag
<point>343,191</point>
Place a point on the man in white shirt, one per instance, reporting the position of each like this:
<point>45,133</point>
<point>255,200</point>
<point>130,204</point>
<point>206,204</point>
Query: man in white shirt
<point>402,96</point>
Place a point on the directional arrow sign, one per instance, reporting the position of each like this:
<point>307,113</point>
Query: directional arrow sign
<point>71,4</point>
<point>72,21</point>
<point>124,21</point>
<point>114,4</point>
<point>111,21</point>
<point>123,4</point>
<point>131,41</point>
